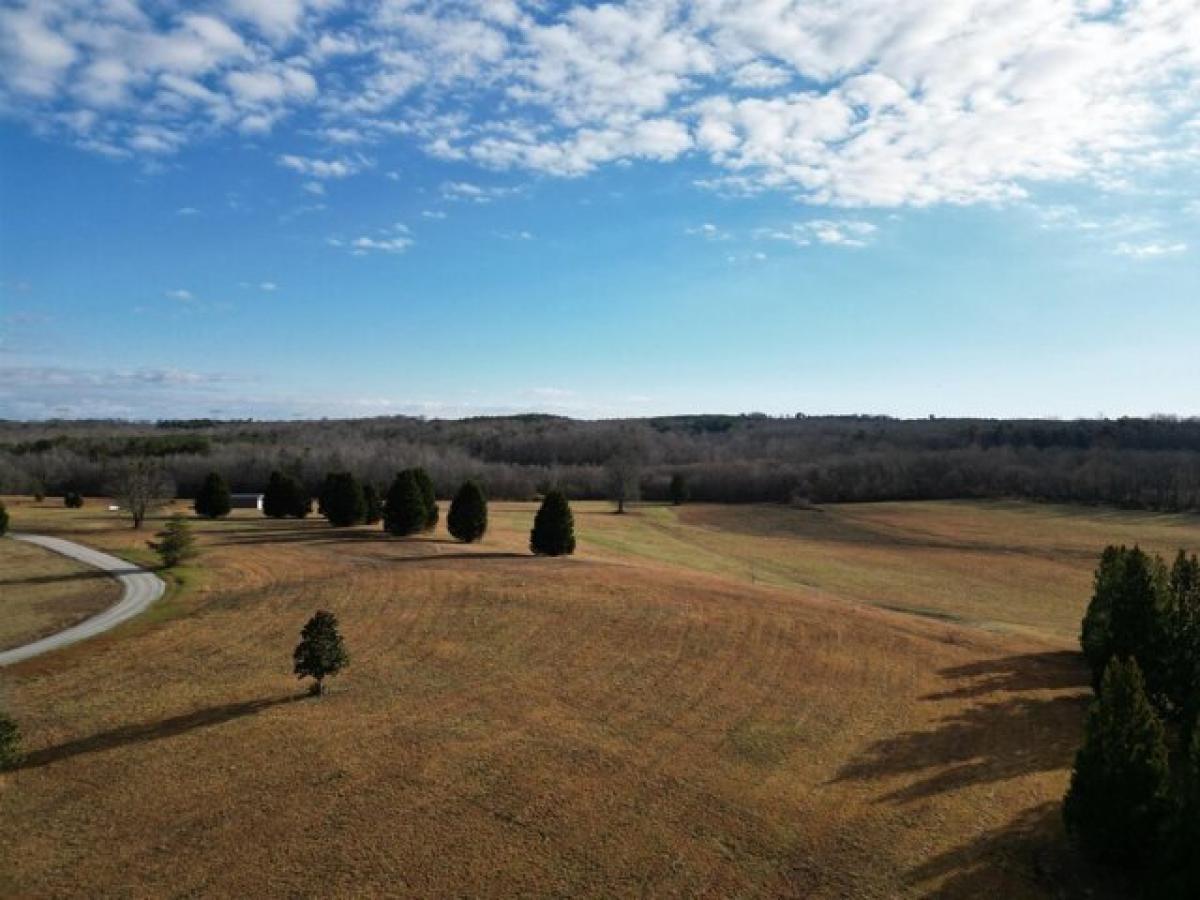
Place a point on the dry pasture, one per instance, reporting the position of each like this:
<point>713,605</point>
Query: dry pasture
<point>707,701</point>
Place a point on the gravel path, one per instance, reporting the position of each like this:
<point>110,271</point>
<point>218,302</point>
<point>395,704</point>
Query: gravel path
<point>141,588</point>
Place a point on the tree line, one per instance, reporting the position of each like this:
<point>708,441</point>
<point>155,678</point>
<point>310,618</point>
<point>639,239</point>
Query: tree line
<point>408,507</point>
<point>1136,463</point>
<point>1134,797</point>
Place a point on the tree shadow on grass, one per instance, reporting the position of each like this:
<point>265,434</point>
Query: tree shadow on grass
<point>1023,672</point>
<point>484,556</point>
<point>986,743</point>
<point>321,535</point>
<point>1011,716</point>
<point>90,574</point>
<point>153,731</point>
<point>994,739</point>
<point>1028,856</point>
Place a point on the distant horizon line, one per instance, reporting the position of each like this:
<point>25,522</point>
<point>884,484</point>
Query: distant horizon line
<point>214,421</point>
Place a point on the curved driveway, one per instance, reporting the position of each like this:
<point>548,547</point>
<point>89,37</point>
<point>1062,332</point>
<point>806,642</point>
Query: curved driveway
<point>141,588</point>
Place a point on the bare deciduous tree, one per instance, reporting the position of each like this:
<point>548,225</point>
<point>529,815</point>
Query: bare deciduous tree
<point>142,485</point>
<point>624,471</point>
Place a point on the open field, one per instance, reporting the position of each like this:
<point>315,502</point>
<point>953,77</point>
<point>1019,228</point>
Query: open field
<point>705,701</point>
<point>42,592</point>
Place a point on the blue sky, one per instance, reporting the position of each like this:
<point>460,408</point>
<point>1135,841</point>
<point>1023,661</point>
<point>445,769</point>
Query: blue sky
<point>452,208</point>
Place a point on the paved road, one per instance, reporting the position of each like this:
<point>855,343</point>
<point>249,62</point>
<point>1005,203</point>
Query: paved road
<point>141,589</point>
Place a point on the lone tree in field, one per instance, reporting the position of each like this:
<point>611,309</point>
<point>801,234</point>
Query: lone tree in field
<point>212,500</point>
<point>176,543</point>
<point>342,500</point>
<point>10,742</point>
<point>285,497</point>
<point>320,652</point>
<point>553,531</point>
<point>142,485</point>
<point>1117,803</point>
<point>3,519</point>
<point>679,490</point>
<point>405,512</point>
<point>73,500</point>
<point>467,519</point>
<point>372,504</point>
<point>624,475</point>
<point>428,497</point>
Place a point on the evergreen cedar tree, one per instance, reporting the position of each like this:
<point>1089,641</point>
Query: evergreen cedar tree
<point>342,500</point>
<point>1134,798</point>
<point>212,500</point>
<point>467,519</point>
<point>678,489</point>
<point>372,504</point>
<point>321,652</point>
<point>285,497</point>
<point>72,500</point>
<point>176,543</point>
<point>553,531</point>
<point>1117,802</point>
<point>405,511</point>
<point>10,742</point>
<point>428,496</point>
<point>3,519</point>
<point>1142,610</point>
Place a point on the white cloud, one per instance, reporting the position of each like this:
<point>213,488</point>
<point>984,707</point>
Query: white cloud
<point>276,19</point>
<point>709,232</point>
<point>474,193</point>
<point>181,294</point>
<point>432,214</point>
<point>187,211</point>
<point>393,239</point>
<point>872,103</point>
<point>270,85</point>
<point>35,56</point>
<point>268,286</point>
<point>1149,250</point>
<point>760,74</point>
<point>831,232</point>
<point>324,168</point>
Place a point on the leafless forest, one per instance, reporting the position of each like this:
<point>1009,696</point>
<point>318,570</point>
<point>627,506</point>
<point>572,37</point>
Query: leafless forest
<point>1136,463</point>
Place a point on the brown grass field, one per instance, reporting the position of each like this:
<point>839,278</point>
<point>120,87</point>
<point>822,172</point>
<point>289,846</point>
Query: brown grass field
<point>705,701</point>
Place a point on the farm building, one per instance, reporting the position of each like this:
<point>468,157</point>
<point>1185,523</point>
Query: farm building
<point>246,501</point>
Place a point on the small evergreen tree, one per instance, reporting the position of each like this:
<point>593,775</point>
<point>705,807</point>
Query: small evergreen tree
<point>1126,616</point>
<point>1180,651</point>
<point>213,500</point>
<point>553,531</point>
<point>1096,635</point>
<point>73,500</point>
<point>1118,800</point>
<point>428,497</point>
<point>679,489</point>
<point>321,651</point>
<point>285,497</point>
<point>275,503</point>
<point>10,742</point>
<point>176,543</point>
<point>405,511</point>
<point>467,519</point>
<point>3,519</point>
<point>372,504</point>
<point>342,500</point>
